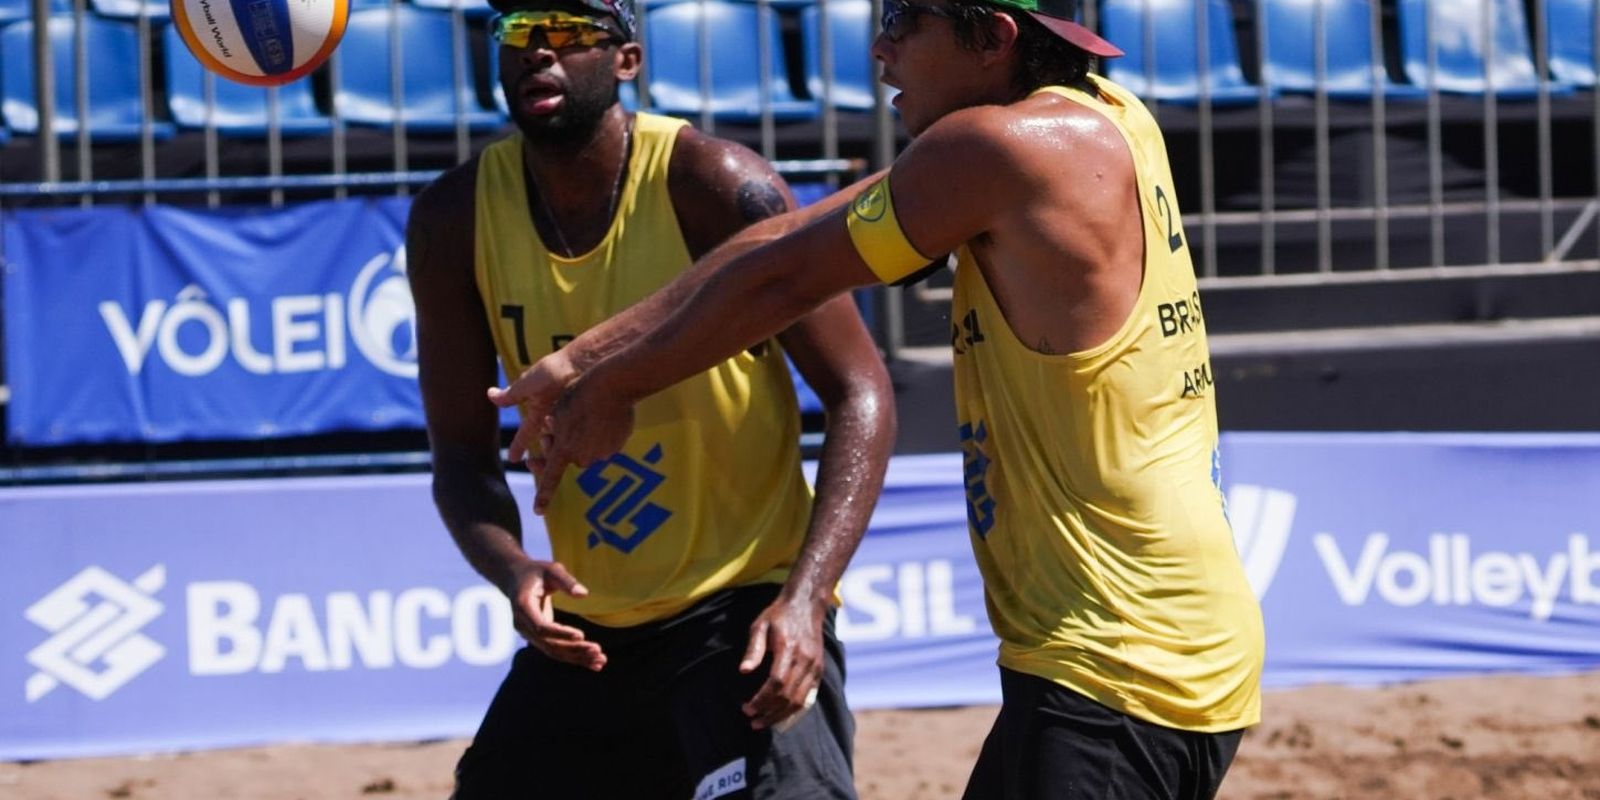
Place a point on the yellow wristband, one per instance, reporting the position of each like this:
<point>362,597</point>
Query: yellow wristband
<point>876,233</point>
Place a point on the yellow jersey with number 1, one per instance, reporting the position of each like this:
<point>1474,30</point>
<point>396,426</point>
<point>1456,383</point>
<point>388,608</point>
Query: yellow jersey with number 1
<point>1092,483</point>
<point>708,493</point>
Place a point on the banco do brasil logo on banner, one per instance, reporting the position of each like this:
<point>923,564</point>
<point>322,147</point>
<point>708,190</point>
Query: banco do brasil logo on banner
<point>95,646</point>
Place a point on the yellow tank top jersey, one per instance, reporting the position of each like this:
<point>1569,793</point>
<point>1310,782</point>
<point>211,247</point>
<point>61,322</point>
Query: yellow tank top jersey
<point>1092,484</point>
<point>708,493</point>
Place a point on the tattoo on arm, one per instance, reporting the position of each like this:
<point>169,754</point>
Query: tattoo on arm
<point>759,200</point>
<point>1044,347</point>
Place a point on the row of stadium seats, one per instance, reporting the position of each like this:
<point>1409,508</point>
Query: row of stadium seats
<point>432,97</point>
<point>1467,61</point>
<point>159,9</point>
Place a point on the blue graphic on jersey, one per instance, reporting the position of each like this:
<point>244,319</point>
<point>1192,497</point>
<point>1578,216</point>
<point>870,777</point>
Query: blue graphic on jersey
<point>621,488</point>
<point>1216,480</point>
<point>980,506</point>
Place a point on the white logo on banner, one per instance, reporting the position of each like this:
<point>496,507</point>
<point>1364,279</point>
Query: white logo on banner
<point>97,646</point>
<point>382,317</point>
<point>1452,573</point>
<point>234,630</point>
<point>1262,519</point>
<point>195,333</point>
<point>912,600</point>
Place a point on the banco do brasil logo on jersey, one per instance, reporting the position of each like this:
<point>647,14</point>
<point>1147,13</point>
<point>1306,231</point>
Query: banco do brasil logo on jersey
<point>975,466</point>
<point>622,514</point>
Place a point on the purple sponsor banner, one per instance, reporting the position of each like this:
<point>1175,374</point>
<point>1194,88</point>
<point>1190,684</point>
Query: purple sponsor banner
<point>1391,557</point>
<point>140,617</point>
<point>167,616</point>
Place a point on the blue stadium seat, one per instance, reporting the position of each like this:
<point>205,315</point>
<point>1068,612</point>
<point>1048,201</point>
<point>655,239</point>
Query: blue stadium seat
<point>1176,68</point>
<point>777,4</point>
<point>1459,41</point>
<point>850,28</point>
<point>430,94</point>
<point>673,56</point>
<point>472,8</point>
<point>11,10</point>
<point>1571,29</point>
<point>111,47</point>
<point>240,110</point>
<point>1291,48</point>
<point>129,9</point>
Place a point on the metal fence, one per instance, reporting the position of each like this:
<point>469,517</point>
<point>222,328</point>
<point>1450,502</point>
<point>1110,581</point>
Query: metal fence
<point>1320,140</point>
<point>1313,141</point>
<point>144,122</point>
<point>1325,67</point>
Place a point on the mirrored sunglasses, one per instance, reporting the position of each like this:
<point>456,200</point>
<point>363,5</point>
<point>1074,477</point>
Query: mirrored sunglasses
<point>557,29</point>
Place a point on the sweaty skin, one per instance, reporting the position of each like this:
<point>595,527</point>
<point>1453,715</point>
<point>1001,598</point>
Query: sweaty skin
<point>717,188</point>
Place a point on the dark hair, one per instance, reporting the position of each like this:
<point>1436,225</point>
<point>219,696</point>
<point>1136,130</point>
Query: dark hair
<point>1044,59</point>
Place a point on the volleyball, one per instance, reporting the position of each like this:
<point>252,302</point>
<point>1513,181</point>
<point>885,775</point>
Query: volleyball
<point>261,42</point>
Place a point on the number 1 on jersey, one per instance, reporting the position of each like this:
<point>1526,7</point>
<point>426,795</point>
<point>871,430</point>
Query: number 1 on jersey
<point>1174,237</point>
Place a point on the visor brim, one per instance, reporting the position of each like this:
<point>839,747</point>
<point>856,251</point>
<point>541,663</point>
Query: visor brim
<point>1077,35</point>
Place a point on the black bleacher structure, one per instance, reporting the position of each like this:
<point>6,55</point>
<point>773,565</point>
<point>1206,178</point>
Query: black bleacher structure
<point>1262,56</point>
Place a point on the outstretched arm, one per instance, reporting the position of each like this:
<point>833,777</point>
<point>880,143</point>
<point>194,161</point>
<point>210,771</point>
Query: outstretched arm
<point>718,188</point>
<point>959,179</point>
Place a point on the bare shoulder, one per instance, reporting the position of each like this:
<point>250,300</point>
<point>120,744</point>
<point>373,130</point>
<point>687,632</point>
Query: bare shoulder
<point>1026,142</point>
<point>439,229</point>
<point>718,187</point>
<point>1077,132</point>
<point>448,198</point>
<point>701,156</point>
<point>708,169</point>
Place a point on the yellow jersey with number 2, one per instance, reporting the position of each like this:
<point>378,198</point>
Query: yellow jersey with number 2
<point>708,493</point>
<point>1092,483</point>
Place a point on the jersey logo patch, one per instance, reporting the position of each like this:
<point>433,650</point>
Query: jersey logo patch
<point>723,780</point>
<point>621,487</point>
<point>975,464</point>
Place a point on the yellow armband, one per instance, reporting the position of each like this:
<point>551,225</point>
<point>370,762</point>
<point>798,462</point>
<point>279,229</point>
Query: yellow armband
<point>876,233</point>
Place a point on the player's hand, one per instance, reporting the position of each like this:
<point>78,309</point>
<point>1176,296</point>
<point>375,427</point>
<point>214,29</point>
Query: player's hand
<point>585,426</point>
<point>789,634</point>
<point>537,389</point>
<point>535,583</point>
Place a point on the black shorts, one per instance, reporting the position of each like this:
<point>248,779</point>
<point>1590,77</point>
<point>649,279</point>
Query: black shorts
<point>1051,742</point>
<point>661,720</point>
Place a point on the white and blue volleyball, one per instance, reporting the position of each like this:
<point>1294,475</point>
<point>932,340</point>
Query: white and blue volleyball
<point>261,42</point>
